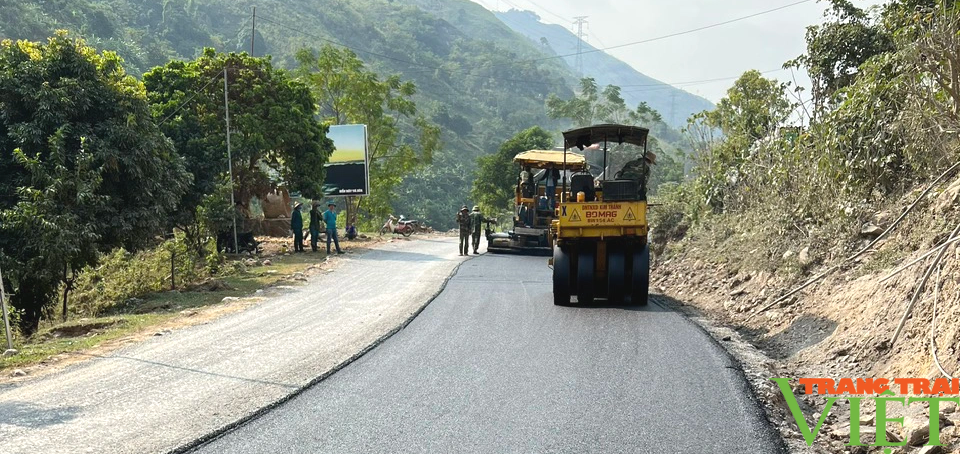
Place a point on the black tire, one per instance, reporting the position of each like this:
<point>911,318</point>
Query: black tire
<point>586,264</point>
<point>616,276</point>
<point>561,277</point>
<point>641,277</point>
<point>383,230</point>
<point>407,232</point>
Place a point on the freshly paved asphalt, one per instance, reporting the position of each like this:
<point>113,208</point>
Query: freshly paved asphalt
<point>493,366</point>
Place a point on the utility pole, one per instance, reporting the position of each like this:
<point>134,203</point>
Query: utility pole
<point>233,204</point>
<point>253,33</point>
<point>673,106</point>
<point>6,317</point>
<point>579,21</point>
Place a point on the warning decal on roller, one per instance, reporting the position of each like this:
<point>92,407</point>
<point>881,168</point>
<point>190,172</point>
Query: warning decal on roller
<point>626,214</point>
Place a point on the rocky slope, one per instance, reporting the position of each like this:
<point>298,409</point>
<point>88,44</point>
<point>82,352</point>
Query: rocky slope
<point>841,326</point>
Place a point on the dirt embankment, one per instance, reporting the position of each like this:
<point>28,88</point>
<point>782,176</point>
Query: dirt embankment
<point>843,325</point>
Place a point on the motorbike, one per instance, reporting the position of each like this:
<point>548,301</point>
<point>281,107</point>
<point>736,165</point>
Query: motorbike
<point>402,226</point>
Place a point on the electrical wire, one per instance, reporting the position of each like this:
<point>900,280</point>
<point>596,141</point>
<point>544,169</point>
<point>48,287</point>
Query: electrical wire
<point>658,38</point>
<point>697,82</point>
<point>933,326</point>
<point>662,85</point>
<point>190,99</point>
<point>548,11</point>
<point>277,23</point>
<point>337,43</point>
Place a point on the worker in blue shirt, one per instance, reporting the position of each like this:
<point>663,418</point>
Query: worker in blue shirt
<point>330,219</point>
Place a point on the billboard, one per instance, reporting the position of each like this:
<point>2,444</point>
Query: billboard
<point>347,171</point>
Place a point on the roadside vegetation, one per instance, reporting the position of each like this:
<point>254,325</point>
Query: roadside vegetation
<point>106,176</point>
<point>880,119</point>
<point>806,220</point>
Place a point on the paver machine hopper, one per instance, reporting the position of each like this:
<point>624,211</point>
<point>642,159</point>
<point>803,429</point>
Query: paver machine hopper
<point>535,202</point>
<point>600,245</point>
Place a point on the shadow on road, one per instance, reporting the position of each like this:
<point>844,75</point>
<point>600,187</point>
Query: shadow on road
<point>196,371</point>
<point>652,306</point>
<point>24,414</point>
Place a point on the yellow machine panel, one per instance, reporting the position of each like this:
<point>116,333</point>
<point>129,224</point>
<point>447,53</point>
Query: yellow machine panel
<point>601,219</point>
<point>603,214</point>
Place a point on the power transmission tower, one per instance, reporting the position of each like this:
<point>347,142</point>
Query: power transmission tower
<point>580,21</point>
<point>673,107</point>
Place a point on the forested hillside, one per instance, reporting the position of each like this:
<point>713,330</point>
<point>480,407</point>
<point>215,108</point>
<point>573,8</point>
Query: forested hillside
<point>474,89</point>
<point>474,76</point>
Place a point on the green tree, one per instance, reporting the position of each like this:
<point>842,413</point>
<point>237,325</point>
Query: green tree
<point>400,140</point>
<point>752,110</point>
<point>493,189</point>
<point>837,48</point>
<point>593,105</point>
<point>84,167</point>
<point>275,141</point>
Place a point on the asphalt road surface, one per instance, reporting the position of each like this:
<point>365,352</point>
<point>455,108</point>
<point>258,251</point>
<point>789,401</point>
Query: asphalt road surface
<point>169,391</point>
<point>493,366</point>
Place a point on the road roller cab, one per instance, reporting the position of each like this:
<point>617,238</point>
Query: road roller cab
<point>600,245</point>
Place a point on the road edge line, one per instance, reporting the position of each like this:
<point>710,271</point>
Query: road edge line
<point>218,433</point>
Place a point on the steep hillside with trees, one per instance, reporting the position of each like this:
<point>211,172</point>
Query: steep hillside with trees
<point>831,246</point>
<point>473,87</point>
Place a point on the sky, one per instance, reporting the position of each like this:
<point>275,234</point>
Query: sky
<point>763,42</point>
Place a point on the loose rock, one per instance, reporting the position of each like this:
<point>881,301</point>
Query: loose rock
<point>917,430</point>
<point>10,352</point>
<point>267,262</point>
<point>948,407</point>
<point>787,255</point>
<point>18,373</point>
<point>804,256</point>
<point>871,230</point>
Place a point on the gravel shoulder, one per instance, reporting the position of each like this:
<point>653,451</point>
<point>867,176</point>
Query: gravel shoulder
<point>171,390</point>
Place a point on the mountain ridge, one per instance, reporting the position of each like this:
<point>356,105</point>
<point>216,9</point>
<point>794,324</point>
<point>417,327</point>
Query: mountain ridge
<point>674,104</point>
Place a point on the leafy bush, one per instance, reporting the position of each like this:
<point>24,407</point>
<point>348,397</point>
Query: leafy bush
<point>122,275</point>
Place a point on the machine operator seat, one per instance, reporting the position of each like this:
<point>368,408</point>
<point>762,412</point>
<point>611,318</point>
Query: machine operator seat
<point>583,182</point>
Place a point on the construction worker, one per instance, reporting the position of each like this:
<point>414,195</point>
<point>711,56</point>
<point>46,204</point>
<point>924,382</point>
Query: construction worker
<point>551,178</point>
<point>463,219</point>
<point>296,224</point>
<point>476,224</point>
<point>639,170</point>
<point>527,188</point>
<point>314,226</point>
<point>330,219</point>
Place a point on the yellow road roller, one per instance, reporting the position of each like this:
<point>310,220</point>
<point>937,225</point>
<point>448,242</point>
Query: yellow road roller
<point>600,231</point>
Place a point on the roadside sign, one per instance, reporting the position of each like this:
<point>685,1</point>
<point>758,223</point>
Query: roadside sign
<point>347,172</point>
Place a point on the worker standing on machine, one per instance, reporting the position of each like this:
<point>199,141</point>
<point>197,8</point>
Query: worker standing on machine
<point>551,177</point>
<point>639,170</point>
